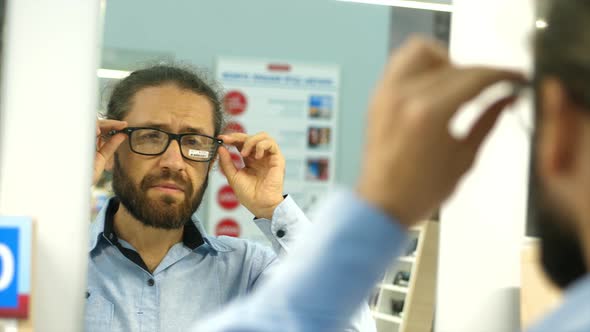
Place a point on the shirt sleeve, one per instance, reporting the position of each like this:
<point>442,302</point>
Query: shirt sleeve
<point>289,223</point>
<point>325,278</point>
<point>288,220</point>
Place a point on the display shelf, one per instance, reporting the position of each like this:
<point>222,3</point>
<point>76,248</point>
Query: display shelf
<point>385,325</point>
<point>407,259</point>
<point>387,317</point>
<point>394,288</point>
<point>415,303</point>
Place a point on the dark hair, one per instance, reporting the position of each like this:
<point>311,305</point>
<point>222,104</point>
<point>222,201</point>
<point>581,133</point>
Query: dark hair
<point>562,49</point>
<point>184,77</point>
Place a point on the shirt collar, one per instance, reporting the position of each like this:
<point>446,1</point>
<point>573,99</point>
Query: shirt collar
<point>194,233</point>
<point>212,241</point>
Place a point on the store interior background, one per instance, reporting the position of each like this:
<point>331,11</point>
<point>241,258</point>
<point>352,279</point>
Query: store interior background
<point>482,225</point>
<point>357,37</point>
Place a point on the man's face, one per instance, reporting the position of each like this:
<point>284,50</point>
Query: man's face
<point>562,256</point>
<point>163,191</point>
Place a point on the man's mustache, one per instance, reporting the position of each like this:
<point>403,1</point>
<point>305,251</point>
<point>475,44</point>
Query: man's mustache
<point>167,176</point>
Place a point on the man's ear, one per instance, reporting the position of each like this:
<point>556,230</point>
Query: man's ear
<point>559,129</point>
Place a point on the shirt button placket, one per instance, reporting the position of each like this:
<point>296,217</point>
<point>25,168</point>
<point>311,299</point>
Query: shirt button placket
<point>151,305</point>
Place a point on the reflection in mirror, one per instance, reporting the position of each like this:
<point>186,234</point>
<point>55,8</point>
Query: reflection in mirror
<point>174,239</point>
<point>2,18</point>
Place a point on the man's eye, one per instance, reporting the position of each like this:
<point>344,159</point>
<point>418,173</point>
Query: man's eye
<point>151,136</point>
<point>191,141</point>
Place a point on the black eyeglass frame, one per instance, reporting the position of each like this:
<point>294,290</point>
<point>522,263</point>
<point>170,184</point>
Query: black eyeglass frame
<point>177,137</point>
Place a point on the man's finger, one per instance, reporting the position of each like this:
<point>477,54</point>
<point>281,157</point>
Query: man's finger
<point>251,142</point>
<point>227,165</point>
<point>234,138</point>
<point>462,85</point>
<point>107,125</point>
<point>262,147</point>
<point>486,122</point>
<point>109,122</point>
<point>107,150</point>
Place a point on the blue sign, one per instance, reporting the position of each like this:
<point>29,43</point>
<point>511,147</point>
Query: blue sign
<point>9,266</point>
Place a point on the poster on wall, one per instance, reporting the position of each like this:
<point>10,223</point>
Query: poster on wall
<point>297,105</point>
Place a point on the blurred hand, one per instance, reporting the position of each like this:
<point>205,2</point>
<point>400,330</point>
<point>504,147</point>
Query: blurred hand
<point>259,185</point>
<point>412,163</point>
<point>105,145</point>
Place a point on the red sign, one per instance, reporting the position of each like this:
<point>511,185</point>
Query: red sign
<point>227,227</point>
<point>235,102</point>
<point>227,198</point>
<point>278,67</point>
<point>234,127</point>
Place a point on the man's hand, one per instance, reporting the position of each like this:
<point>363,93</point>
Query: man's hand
<point>259,185</point>
<point>105,145</point>
<point>412,163</point>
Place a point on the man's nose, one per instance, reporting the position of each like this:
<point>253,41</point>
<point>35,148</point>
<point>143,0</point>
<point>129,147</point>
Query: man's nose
<point>172,157</point>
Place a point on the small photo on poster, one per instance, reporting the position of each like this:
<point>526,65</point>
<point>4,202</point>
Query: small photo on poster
<point>320,107</point>
<point>317,169</point>
<point>319,137</point>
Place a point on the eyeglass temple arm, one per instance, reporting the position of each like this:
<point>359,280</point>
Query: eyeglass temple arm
<point>113,133</point>
<point>518,87</point>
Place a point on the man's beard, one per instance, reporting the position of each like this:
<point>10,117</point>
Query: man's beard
<point>562,256</point>
<point>164,212</point>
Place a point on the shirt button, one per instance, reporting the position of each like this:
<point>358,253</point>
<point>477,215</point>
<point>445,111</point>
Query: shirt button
<point>151,282</point>
<point>281,233</point>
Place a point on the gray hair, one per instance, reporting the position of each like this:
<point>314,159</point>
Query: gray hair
<point>185,77</point>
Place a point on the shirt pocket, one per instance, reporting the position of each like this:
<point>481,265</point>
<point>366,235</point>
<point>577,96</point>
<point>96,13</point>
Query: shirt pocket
<point>99,312</point>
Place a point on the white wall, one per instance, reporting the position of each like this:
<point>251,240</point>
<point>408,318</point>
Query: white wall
<point>47,128</point>
<point>483,223</point>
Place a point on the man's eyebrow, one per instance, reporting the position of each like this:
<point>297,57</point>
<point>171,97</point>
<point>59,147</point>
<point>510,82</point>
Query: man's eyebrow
<point>168,129</point>
<point>155,125</point>
<point>193,130</point>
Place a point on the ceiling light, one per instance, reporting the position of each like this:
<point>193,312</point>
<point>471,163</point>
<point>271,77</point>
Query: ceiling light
<point>541,24</point>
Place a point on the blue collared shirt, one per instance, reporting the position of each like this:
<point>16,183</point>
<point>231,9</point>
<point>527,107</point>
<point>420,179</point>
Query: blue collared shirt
<point>573,315</point>
<point>188,283</point>
<point>334,276</point>
<point>326,276</point>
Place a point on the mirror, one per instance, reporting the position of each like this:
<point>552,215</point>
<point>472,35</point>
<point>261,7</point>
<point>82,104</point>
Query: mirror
<point>302,72</point>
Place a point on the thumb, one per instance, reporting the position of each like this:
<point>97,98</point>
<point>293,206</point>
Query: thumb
<point>108,149</point>
<point>227,165</point>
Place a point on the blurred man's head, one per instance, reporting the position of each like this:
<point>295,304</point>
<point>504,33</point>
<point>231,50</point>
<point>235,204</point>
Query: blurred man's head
<point>560,179</point>
<point>163,187</point>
